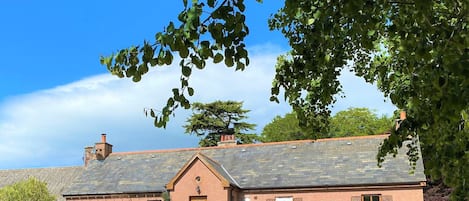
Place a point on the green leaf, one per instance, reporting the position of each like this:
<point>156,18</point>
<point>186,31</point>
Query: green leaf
<point>184,83</point>
<point>170,102</point>
<point>211,3</point>
<point>143,68</point>
<point>218,58</point>
<point>131,71</point>
<point>168,59</point>
<point>241,5</point>
<point>182,16</point>
<point>240,66</point>
<point>153,62</point>
<point>327,58</point>
<point>170,27</point>
<point>183,52</point>
<point>229,61</point>
<point>317,14</point>
<point>186,71</point>
<point>175,91</point>
<point>136,78</point>
<point>190,91</point>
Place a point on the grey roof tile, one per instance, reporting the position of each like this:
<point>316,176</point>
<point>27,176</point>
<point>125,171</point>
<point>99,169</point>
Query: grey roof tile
<point>273,165</point>
<point>56,178</point>
<point>220,169</point>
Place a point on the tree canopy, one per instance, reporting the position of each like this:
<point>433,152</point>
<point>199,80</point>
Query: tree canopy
<point>211,120</point>
<point>357,122</point>
<point>284,129</point>
<point>416,51</point>
<point>28,190</point>
<point>350,122</point>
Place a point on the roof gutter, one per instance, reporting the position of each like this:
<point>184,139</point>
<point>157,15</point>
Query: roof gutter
<point>374,186</point>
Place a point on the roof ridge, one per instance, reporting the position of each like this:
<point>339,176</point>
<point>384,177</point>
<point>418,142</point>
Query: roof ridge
<point>250,145</point>
<point>354,137</point>
<point>200,154</point>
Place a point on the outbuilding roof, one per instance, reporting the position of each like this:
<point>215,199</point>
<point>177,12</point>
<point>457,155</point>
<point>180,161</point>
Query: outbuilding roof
<point>326,162</point>
<point>56,178</point>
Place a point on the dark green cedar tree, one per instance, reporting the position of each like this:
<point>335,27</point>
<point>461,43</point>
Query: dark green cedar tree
<point>211,120</point>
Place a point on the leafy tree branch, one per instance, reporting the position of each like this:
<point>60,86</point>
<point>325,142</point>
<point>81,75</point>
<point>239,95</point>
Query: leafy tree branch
<point>219,38</point>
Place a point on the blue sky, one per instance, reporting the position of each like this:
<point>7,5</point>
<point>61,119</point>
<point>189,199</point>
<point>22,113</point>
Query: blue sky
<point>55,97</point>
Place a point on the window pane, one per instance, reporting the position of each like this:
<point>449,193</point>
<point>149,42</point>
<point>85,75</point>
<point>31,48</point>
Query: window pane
<point>375,198</point>
<point>366,198</point>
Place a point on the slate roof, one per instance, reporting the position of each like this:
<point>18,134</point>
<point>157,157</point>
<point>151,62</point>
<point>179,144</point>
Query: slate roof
<point>328,162</point>
<point>56,178</point>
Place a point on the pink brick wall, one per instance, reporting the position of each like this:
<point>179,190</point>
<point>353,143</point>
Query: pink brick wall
<point>116,198</point>
<point>216,193</point>
<point>209,184</point>
<point>411,194</point>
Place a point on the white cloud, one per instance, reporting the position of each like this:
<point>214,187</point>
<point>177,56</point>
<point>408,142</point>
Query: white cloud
<point>51,127</point>
<point>358,93</point>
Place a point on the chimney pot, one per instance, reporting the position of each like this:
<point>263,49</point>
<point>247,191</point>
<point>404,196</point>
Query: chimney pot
<point>103,138</point>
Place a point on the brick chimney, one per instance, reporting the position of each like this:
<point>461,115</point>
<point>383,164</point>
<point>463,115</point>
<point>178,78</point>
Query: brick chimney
<point>227,138</point>
<point>102,149</point>
<point>99,152</point>
<point>402,117</point>
<point>89,155</point>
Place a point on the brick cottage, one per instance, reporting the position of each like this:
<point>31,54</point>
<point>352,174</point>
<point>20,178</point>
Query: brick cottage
<point>339,169</point>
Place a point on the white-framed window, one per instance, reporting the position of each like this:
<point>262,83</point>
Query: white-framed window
<point>284,199</point>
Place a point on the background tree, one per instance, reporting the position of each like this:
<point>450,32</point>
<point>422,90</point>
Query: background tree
<point>210,120</point>
<point>357,122</point>
<point>416,51</point>
<point>28,190</point>
<point>350,122</point>
<point>284,129</point>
